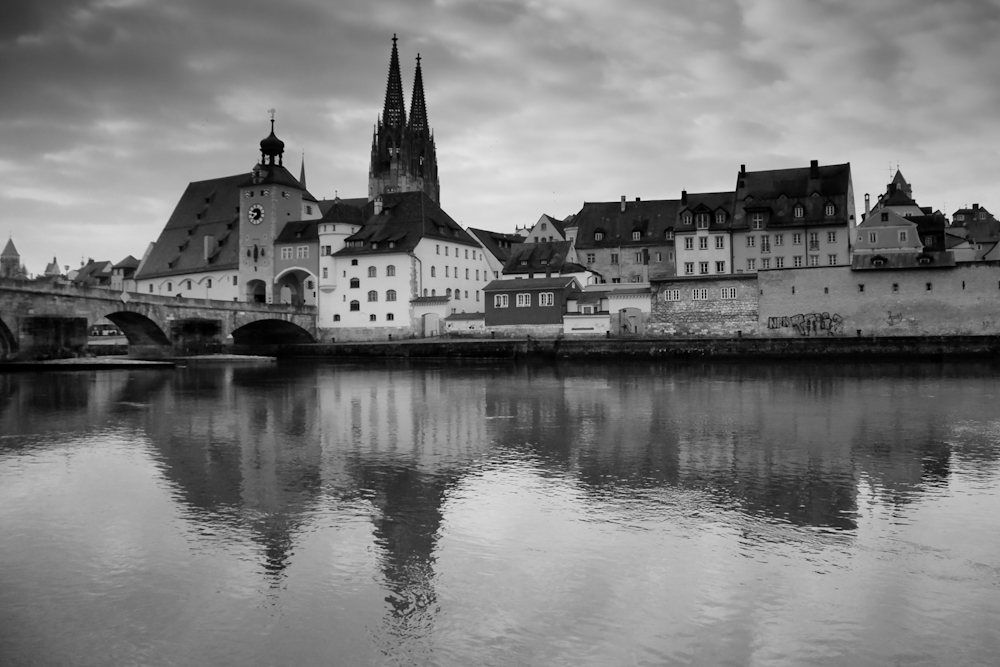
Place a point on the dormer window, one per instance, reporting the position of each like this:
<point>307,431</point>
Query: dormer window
<point>637,236</point>
<point>686,219</point>
<point>701,221</point>
<point>598,236</point>
<point>756,220</point>
<point>799,211</point>
<point>669,235</point>
<point>720,218</point>
<point>829,210</point>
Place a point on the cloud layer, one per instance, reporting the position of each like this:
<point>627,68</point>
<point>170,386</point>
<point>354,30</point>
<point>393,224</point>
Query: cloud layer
<point>113,106</point>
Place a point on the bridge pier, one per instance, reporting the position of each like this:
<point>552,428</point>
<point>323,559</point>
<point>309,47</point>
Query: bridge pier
<point>50,337</point>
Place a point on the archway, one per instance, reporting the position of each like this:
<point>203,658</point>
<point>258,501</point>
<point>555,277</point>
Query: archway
<point>296,287</point>
<point>271,332</point>
<point>145,337</point>
<point>256,291</point>
<point>8,343</point>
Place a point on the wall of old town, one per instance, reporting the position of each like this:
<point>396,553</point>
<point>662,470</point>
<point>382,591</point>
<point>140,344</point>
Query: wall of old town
<point>699,307</point>
<point>824,301</point>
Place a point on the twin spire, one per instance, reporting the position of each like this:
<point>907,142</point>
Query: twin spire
<point>394,112</point>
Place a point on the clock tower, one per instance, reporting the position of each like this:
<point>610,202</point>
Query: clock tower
<point>270,198</point>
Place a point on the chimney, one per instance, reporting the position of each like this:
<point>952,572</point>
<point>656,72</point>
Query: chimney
<point>743,169</point>
<point>975,207</point>
<point>637,200</point>
<point>378,205</point>
<point>684,197</point>
<point>868,204</point>
<point>814,169</point>
<point>892,189</point>
<point>623,203</point>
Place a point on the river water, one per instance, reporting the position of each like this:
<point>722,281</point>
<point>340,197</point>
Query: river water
<point>501,514</point>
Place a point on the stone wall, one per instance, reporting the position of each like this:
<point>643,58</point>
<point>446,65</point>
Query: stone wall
<point>835,301</point>
<point>711,316</point>
<point>359,334</point>
<point>525,330</point>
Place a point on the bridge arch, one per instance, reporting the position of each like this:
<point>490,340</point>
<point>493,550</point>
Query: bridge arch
<point>8,343</point>
<point>296,280</point>
<point>271,332</point>
<point>139,329</point>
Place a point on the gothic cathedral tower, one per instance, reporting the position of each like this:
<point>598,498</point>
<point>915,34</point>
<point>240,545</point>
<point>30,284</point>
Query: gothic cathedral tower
<point>403,155</point>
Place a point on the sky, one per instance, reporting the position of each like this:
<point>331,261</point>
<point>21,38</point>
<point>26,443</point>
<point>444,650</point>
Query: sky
<point>110,107</point>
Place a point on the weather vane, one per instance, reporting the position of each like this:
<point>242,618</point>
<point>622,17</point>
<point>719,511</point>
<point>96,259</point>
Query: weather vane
<point>271,111</point>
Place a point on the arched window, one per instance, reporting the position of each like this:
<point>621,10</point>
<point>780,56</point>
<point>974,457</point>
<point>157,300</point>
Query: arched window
<point>390,295</point>
<point>336,318</point>
<point>425,291</point>
<point>390,270</point>
<point>448,293</point>
<point>355,305</point>
<point>355,283</point>
<point>433,292</point>
<point>390,317</point>
<point>458,294</point>
<point>372,272</point>
<point>372,295</point>
<point>544,226</point>
<point>799,211</point>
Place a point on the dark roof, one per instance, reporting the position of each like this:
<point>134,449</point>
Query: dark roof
<point>94,273</point>
<point>9,250</point>
<point>343,210</point>
<point>465,316</point>
<point>706,202</point>
<point>589,297</point>
<point>406,219</point>
<point>983,231</point>
<point>558,224</point>
<point>903,260</point>
<point>276,175</point>
<point>897,198</point>
<point>934,223</point>
<point>778,191</point>
<point>430,299</point>
<point>530,283</point>
<point>653,218</point>
<point>499,245</point>
<point>207,208</point>
<point>129,262</point>
<point>302,230</point>
<point>538,257</point>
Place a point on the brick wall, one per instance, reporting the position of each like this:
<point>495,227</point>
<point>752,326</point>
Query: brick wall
<point>712,316</point>
<point>964,300</point>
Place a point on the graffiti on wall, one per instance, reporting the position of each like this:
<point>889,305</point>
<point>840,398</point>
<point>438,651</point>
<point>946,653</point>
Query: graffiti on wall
<point>894,318</point>
<point>810,324</point>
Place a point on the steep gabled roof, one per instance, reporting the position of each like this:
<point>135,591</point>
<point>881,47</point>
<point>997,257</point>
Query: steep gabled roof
<point>778,191</point>
<point>653,218</point>
<point>94,273</point>
<point>9,250</point>
<point>129,262</point>
<point>706,202</point>
<point>538,257</point>
<point>406,218</point>
<point>207,208</point>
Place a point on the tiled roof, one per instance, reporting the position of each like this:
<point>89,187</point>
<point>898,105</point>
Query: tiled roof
<point>94,273</point>
<point>406,218</point>
<point>903,260</point>
<point>343,210</point>
<point>537,257</point>
<point>777,191</point>
<point>653,218</point>
<point>497,244</point>
<point>207,208</point>
<point>465,316</point>
<point>530,284</point>
<point>706,202</point>
<point>129,262</point>
<point>897,198</point>
<point>302,230</point>
<point>277,175</point>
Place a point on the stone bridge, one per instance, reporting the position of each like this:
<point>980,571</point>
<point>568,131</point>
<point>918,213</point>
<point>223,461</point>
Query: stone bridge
<point>40,320</point>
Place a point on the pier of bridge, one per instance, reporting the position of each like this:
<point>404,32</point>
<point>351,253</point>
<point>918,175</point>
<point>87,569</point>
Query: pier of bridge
<point>43,321</point>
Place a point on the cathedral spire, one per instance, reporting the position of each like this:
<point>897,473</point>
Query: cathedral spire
<point>418,108</point>
<point>302,171</point>
<point>394,113</point>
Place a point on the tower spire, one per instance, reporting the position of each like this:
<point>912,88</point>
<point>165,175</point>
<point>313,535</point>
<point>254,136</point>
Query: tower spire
<point>418,108</point>
<point>394,113</point>
<point>302,171</point>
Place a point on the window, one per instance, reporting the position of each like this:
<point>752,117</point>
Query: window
<point>170,287</point>
<point>902,236</point>
<point>765,243</point>
<point>701,221</point>
<point>686,218</point>
<point>699,294</point>
<point>797,238</point>
<point>433,272</point>
<point>873,237</point>
<point>371,318</point>
<point>720,267</point>
<point>861,288</point>
<point>372,295</point>
<point>523,300</point>
<point>756,220</point>
<point>598,236</point>
<point>336,318</point>
<point>390,295</point>
<point>659,257</point>
<point>150,288</point>
<point>720,218</point>
<point>354,262</point>
<point>669,235</point>
<point>895,287</point>
<point>672,295</point>
<point>355,283</point>
<point>814,240</point>
<point>703,268</point>
<point>446,268</point>
<point>779,239</point>
<point>829,210</point>
<point>286,253</point>
<point>355,305</point>
<point>779,262</point>
<point>765,263</point>
<point>499,300</point>
<point>448,293</point>
<point>728,293</point>
<point>702,243</point>
<point>689,268</point>
<point>437,249</point>
<point>929,287</point>
<point>546,299</point>
<point>309,210</point>
<point>302,252</point>
<point>751,241</point>
<point>390,270</point>
<point>390,317</point>
<point>544,227</point>
<point>614,258</point>
<point>325,250</point>
<point>467,253</point>
<point>615,281</point>
<point>797,261</point>
<point>799,212</point>
<point>446,251</point>
<point>236,280</point>
<point>813,260</point>
<point>477,274</point>
<point>638,258</point>
<point>751,264</point>
<point>831,260</point>
<point>720,242</point>
<point>831,237</point>
<point>636,236</point>
<point>688,243</point>
<point>591,258</point>
<point>372,272</point>
<point>458,294</point>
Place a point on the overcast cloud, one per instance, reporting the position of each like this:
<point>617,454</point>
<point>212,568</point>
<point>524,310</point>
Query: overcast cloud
<point>112,106</point>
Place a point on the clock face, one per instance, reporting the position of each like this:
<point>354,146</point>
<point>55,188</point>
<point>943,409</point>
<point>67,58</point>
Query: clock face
<point>256,214</point>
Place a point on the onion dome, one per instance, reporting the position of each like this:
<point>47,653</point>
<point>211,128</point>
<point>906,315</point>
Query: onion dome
<point>271,147</point>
